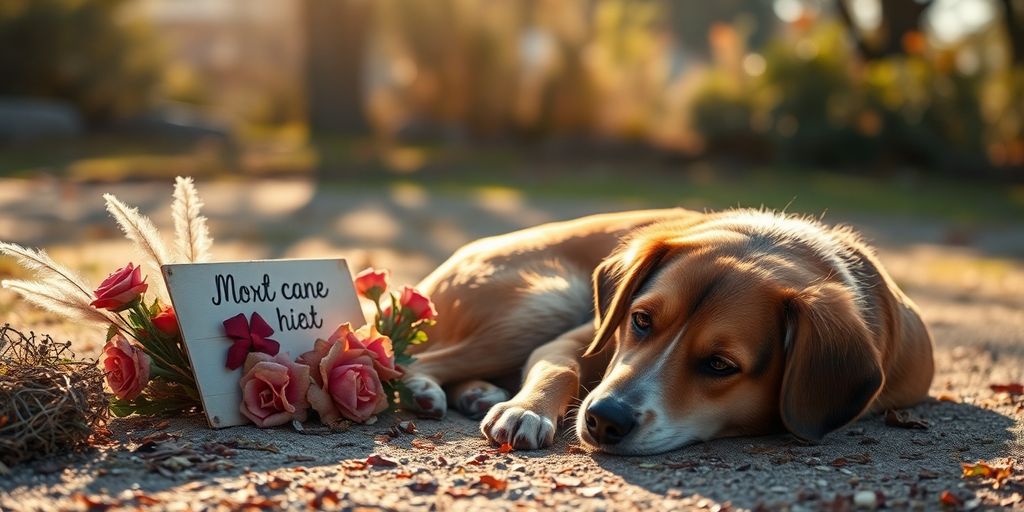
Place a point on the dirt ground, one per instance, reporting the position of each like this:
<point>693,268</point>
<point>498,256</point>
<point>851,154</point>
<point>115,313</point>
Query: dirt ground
<point>969,282</point>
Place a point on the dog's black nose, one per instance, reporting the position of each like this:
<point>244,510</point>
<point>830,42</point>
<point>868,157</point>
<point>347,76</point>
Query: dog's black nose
<point>609,420</point>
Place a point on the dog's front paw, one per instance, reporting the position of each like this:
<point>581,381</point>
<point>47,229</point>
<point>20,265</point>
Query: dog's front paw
<point>474,399</point>
<point>428,396</point>
<point>519,426</point>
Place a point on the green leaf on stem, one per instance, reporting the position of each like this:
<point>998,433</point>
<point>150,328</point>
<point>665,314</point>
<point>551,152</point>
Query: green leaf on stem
<point>111,331</point>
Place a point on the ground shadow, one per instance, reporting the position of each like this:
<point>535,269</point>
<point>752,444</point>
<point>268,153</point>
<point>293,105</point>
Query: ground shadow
<point>868,455</point>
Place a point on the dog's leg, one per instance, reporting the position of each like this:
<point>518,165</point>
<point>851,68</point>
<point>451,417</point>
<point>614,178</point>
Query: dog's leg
<point>470,359</point>
<point>427,394</point>
<point>475,397</point>
<point>528,420</point>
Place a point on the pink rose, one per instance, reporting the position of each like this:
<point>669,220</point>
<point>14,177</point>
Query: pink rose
<point>166,321</point>
<point>367,339</point>
<point>120,289</point>
<point>126,367</point>
<point>273,389</point>
<point>417,304</point>
<point>347,383</point>
<point>371,283</point>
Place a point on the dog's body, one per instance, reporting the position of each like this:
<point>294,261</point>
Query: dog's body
<point>685,326</point>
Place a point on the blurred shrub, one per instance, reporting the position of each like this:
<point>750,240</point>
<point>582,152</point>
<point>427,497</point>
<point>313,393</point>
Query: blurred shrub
<point>816,103</point>
<point>87,52</point>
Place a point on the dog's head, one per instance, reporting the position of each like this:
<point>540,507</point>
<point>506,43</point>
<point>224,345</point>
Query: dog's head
<point>718,332</point>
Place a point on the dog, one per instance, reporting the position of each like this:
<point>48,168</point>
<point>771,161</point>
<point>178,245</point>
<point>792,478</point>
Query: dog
<point>684,327</point>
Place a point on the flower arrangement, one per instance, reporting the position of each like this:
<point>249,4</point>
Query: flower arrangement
<point>144,360</point>
<point>353,375</point>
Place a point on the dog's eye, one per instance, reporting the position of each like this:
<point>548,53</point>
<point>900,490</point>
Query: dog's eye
<point>641,322</point>
<point>719,366</point>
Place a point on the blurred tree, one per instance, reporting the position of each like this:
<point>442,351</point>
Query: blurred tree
<point>900,24</point>
<point>336,35</point>
<point>86,52</point>
<point>690,19</point>
<point>1013,19</point>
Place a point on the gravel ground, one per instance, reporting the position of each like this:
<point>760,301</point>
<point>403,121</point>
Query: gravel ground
<point>970,294</point>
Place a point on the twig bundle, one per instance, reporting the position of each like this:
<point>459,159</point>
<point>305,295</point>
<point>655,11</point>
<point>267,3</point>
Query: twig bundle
<point>49,402</point>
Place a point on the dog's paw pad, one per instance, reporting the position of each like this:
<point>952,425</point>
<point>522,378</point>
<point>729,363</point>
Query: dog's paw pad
<point>477,400</point>
<point>520,427</point>
<point>428,396</point>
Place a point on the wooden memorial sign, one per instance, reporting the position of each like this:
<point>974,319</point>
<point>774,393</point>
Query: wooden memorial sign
<point>302,300</point>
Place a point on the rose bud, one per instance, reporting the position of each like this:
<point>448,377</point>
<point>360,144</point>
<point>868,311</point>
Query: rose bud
<point>371,283</point>
<point>126,367</point>
<point>166,321</point>
<point>120,289</point>
<point>417,304</point>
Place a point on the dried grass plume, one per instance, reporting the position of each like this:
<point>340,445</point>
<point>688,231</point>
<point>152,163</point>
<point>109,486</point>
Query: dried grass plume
<point>192,236</point>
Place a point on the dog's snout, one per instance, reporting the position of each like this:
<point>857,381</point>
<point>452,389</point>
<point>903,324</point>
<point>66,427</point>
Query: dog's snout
<point>609,420</point>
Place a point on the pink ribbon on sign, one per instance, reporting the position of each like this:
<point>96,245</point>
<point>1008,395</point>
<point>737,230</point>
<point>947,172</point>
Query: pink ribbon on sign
<point>248,336</point>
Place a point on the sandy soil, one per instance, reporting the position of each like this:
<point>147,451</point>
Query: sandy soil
<point>971,295</point>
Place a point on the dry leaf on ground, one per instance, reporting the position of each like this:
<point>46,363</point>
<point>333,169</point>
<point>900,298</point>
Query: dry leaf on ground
<point>903,419</point>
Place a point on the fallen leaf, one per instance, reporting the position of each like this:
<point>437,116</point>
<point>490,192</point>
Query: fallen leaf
<point>948,498</point>
<point>422,444</point>
<point>461,492</point>
<point>326,498</point>
<point>93,503</point>
<point>477,460</point>
<point>984,470</point>
<point>354,464</point>
<point>248,444</point>
<point>857,458</point>
<point>380,461</point>
<point>145,499</point>
<point>497,484</point>
<point>277,483</point>
<point>505,448</point>
<point>903,419</point>
<point>1014,388</point>
<point>408,427</point>
<point>562,481</point>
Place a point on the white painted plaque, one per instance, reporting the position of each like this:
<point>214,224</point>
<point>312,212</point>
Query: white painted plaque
<point>302,300</point>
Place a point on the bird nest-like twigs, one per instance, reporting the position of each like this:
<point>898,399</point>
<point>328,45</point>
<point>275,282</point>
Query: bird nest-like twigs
<point>50,402</point>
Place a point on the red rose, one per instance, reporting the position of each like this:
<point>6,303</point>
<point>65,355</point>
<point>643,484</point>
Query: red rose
<point>417,304</point>
<point>273,389</point>
<point>120,289</point>
<point>371,283</point>
<point>126,367</point>
<point>166,321</point>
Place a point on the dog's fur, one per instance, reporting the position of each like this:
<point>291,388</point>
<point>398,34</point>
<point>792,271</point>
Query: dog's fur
<point>684,326</point>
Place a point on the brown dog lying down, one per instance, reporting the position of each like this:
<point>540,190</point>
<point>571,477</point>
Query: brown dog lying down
<point>684,326</point>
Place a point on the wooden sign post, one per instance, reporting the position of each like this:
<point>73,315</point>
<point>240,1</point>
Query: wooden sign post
<point>302,300</point>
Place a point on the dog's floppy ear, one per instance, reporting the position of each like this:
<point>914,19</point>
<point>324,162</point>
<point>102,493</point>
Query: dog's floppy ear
<point>833,370</point>
<point>616,280</point>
